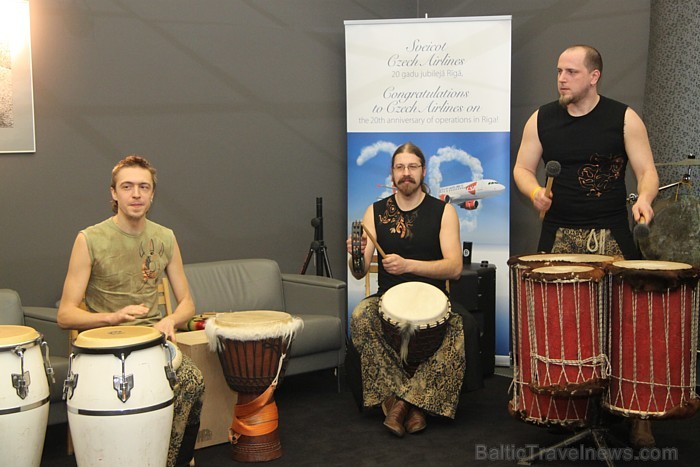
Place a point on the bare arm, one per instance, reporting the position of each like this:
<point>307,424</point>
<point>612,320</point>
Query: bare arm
<point>185,306</point>
<point>642,162</point>
<point>524,172</point>
<point>449,267</point>
<point>70,315</point>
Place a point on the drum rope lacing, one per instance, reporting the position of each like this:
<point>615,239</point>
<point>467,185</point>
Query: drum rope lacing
<point>597,362</point>
<point>619,402</point>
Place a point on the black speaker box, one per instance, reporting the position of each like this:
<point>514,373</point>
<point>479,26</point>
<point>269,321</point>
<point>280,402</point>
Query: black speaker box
<point>475,290</point>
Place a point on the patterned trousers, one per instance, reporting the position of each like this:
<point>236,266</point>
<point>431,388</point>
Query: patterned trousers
<point>436,384</point>
<point>189,395</point>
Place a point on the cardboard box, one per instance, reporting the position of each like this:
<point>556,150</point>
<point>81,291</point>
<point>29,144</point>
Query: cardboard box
<point>219,399</point>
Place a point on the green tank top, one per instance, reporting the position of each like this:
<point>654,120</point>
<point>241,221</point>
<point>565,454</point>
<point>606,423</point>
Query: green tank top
<point>126,269</point>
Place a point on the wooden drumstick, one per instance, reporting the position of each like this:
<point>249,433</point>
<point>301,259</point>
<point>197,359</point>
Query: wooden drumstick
<point>374,240</point>
<point>641,230</point>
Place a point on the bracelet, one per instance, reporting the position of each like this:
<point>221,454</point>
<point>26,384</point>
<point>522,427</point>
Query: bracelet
<point>534,192</point>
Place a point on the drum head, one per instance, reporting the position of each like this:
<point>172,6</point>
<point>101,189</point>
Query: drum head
<point>674,232</point>
<point>649,265</point>
<point>252,325</point>
<point>116,336</point>
<point>415,302</point>
<point>11,335</point>
<point>566,258</point>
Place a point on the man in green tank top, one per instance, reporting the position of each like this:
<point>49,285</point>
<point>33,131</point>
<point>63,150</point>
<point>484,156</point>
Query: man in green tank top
<point>115,269</point>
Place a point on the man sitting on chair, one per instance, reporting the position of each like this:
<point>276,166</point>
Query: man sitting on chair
<point>115,267</point>
<point>419,235</point>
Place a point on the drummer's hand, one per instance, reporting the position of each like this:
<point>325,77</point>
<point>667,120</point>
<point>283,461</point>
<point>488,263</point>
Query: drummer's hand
<point>642,208</point>
<point>395,264</point>
<point>167,327</point>
<point>363,244</point>
<point>541,201</point>
<point>129,313</point>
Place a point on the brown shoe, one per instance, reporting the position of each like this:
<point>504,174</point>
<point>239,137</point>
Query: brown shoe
<point>640,434</point>
<point>394,420</point>
<point>388,404</point>
<point>415,420</point>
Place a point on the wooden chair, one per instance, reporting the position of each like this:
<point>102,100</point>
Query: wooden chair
<point>164,299</point>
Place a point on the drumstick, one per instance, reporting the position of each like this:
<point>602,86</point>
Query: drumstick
<point>374,240</point>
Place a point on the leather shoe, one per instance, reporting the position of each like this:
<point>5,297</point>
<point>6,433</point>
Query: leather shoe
<point>388,404</point>
<point>415,420</point>
<point>395,418</point>
<point>640,434</point>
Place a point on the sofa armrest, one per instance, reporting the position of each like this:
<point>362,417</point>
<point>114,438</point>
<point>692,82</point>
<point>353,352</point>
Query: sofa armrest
<point>317,295</point>
<point>44,321</point>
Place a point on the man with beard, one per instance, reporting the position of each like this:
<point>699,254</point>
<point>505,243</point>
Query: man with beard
<point>593,138</point>
<point>419,235</point>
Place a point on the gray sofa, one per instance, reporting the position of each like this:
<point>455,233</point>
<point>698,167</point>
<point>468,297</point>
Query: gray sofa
<point>223,286</point>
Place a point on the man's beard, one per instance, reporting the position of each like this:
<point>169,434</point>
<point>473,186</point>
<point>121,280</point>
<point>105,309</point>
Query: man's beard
<point>407,189</point>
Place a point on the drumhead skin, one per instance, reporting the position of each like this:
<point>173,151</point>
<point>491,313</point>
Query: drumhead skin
<point>415,302</point>
<point>251,325</point>
<point>566,258</point>
<point>116,336</point>
<point>12,335</point>
<point>651,265</point>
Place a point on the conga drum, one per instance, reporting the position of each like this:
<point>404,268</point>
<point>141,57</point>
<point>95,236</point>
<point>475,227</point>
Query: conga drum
<point>24,395</point>
<point>119,395</point>
<point>653,339</point>
<point>252,348</point>
<point>414,321</point>
<point>560,396</point>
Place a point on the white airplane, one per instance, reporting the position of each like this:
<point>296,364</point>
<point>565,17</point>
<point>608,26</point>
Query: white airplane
<point>465,195</point>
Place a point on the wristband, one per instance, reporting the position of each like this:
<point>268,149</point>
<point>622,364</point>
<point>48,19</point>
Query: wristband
<point>534,192</point>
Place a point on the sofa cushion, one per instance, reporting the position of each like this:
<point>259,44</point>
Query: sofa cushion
<point>236,285</point>
<point>320,334</point>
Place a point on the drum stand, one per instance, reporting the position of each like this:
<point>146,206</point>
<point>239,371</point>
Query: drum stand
<point>596,430</point>
<point>318,246</point>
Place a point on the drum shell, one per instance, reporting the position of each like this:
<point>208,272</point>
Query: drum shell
<point>23,429</point>
<point>653,341</point>
<point>546,409</point>
<point>251,366</point>
<point>135,432</point>
<point>423,343</point>
<point>567,312</point>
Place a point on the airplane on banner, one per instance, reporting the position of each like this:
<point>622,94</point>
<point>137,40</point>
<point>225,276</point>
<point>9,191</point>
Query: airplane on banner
<point>465,195</point>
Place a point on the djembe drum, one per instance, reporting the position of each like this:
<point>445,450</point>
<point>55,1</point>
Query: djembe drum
<point>119,395</point>
<point>252,348</point>
<point>653,337</point>
<point>24,395</point>
<point>553,375</point>
<point>414,318</point>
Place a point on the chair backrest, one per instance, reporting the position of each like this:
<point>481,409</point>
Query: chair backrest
<point>10,308</point>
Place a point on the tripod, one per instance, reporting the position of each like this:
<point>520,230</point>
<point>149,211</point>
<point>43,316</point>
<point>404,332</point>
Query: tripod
<point>318,246</point>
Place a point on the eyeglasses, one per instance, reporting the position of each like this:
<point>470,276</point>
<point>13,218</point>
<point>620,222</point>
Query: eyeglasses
<point>411,167</point>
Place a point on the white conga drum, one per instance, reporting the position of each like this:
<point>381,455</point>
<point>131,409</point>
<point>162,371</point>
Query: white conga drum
<point>653,339</point>
<point>24,395</point>
<point>252,348</point>
<point>119,395</point>
<point>414,318</point>
<point>542,389</point>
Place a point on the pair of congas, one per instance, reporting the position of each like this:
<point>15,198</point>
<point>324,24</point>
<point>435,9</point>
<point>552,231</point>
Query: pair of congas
<point>252,347</point>
<point>25,370</point>
<point>587,325</point>
<point>119,396</point>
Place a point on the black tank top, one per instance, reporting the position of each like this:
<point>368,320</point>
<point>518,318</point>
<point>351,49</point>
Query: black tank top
<point>590,190</point>
<point>411,234</point>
